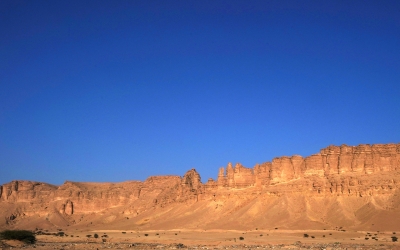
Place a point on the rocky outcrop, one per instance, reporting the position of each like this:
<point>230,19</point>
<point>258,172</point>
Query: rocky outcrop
<point>25,191</point>
<point>338,177</point>
<point>191,181</point>
<point>236,177</point>
<point>262,174</point>
<point>333,160</point>
<point>67,208</point>
<point>365,158</point>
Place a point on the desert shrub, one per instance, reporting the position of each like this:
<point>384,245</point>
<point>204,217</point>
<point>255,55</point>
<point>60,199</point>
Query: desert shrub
<point>146,234</point>
<point>394,238</point>
<point>96,236</point>
<point>21,235</point>
<point>60,234</point>
<point>241,238</point>
<point>180,245</point>
<point>124,232</point>
<point>89,235</point>
<point>313,237</point>
<point>366,238</point>
<point>261,235</point>
<point>305,235</point>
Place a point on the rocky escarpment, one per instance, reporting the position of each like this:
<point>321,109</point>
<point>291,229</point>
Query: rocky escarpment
<point>330,162</point>
<point>354,186</point>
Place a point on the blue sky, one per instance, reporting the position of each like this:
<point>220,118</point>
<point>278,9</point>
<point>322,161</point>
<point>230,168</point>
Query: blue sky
<point>122,90</point>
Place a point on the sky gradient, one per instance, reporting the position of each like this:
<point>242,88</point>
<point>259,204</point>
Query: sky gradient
<point>109,91</point>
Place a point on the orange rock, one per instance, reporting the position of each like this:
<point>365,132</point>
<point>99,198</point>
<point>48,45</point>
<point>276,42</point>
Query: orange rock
<point>353,186</point>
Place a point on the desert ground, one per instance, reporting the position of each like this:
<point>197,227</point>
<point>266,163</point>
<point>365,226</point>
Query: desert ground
<point>212,239</point>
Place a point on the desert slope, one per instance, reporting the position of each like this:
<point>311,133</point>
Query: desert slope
<point>351,187</point>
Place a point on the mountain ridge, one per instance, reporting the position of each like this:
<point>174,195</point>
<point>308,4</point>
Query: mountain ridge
<point>341,186</point>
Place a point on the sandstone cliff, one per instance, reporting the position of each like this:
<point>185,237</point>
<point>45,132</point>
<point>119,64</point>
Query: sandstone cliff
<point>341,186</point>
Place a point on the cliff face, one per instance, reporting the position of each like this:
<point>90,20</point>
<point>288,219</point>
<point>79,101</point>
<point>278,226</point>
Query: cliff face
<point>331,161</point>
<point>339,186</point>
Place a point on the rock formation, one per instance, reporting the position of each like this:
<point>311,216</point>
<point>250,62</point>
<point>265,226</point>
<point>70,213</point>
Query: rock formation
<point>351,186</point>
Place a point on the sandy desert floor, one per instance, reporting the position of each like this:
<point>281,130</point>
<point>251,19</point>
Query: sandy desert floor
<point>213,239</point>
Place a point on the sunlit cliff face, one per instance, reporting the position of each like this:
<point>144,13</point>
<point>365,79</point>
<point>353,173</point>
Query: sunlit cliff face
<point>340,186</point>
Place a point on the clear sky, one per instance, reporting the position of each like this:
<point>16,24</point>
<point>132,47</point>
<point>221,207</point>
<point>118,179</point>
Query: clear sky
<point>122,90</point>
